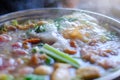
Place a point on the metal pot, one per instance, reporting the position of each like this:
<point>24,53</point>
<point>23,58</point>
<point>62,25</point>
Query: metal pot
<point>53,13</point>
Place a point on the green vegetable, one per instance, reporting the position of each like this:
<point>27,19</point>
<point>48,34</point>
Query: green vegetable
<point>14,22</point>
<point>60,20</point>
<point>6,77</point>
<point>35,49</point>
<point>34,77</point>
<point>61,56</point>
<point>40,44</point>
<point>39,29</point>
<point>49,60</point>
<point>3,29</point>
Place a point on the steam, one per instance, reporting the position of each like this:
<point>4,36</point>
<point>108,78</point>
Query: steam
<point>107,7</point>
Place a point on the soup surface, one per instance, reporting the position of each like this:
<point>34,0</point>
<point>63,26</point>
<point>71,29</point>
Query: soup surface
<point>70,47</point>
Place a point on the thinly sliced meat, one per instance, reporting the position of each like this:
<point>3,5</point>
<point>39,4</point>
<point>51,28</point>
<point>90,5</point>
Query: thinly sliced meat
<point>19,52</point>
<point>5,38</point>
<point>100,57</point>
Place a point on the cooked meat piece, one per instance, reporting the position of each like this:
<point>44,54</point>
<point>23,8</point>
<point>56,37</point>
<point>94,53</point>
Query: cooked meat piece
<point>60,74</point>
<point>43,70</point>
<point>88,73</point>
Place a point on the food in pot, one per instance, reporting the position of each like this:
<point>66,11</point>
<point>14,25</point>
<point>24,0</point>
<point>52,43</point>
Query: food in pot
<point>70,47</point>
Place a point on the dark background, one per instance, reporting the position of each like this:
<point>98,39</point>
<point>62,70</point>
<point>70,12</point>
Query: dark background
<point>7,6</point>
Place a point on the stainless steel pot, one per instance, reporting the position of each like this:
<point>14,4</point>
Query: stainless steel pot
<point>53,13</point>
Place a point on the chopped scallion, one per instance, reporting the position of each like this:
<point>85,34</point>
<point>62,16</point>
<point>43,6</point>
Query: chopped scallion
<point>14,22</point>
<point>61,56</point>
<point>34,77</point>
<point>39,29</point>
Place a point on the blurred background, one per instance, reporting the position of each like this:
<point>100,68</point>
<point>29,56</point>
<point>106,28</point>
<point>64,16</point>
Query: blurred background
<point>107,7</point>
